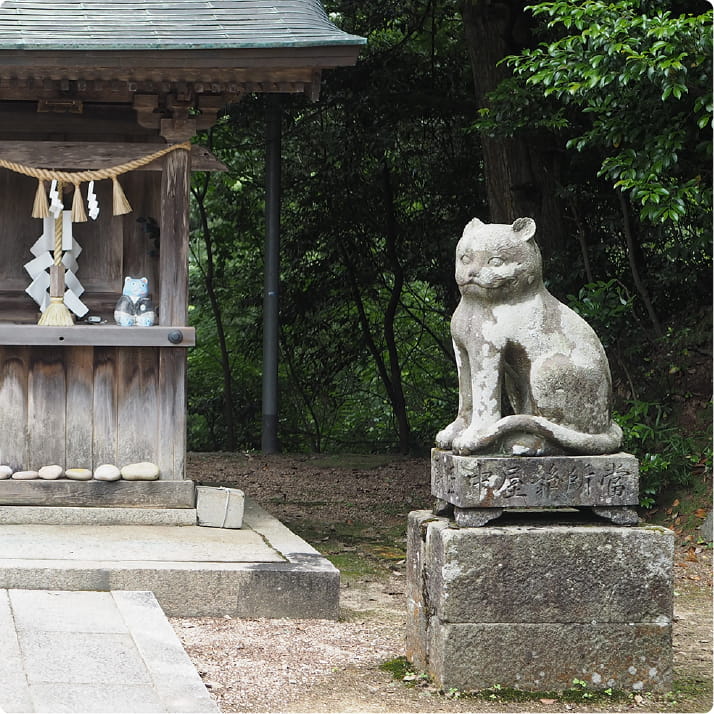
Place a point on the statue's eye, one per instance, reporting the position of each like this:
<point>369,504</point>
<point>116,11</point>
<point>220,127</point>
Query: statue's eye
<point>465,259</point>
<point>495,261</point>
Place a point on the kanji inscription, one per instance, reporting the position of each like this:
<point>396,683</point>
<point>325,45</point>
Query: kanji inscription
<point>502,481</point>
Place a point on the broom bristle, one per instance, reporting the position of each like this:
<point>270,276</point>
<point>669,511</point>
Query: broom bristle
<point>79,215</point>
<point>56,314</point>
<point>121,204</point>
<point>41,207</point>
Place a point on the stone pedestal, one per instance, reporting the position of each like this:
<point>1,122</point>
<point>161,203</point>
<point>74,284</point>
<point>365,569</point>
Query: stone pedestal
<point>481,487</point>
<point>535,606</point>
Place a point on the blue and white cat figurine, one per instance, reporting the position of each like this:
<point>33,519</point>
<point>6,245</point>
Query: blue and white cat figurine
<point>135,306</point>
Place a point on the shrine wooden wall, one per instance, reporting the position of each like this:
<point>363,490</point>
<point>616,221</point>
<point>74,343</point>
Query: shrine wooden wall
<point>82,406</point>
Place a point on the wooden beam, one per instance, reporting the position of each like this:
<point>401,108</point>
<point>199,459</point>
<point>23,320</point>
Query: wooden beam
<point>98,336</point>
<point>80,155</point>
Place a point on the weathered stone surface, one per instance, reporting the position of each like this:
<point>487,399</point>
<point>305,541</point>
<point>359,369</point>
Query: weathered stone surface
<point>25,475</point>
<point>107,472</point>
<point>219,507</point>
<point>571,601</point>
<point>50,473</point>
<point>475,517</point>
<point>78,474</point>
<point>508,329</point>
<point>142,471</point>
<point>549,656</point>
<point>560,573</point>
<point>544,481</point>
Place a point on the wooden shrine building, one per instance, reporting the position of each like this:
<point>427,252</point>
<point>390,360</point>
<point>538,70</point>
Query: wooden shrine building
<point>90,87</point>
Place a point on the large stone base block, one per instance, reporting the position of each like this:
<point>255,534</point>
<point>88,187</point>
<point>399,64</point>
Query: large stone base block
<point>535,606</point>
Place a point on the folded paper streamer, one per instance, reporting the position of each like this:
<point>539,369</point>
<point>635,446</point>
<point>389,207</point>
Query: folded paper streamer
<point>38,268</point>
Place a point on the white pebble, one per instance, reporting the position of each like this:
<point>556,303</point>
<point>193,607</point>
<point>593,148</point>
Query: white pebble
<point>143,471</point>
<point>25,475</point>
<point>107,472</point>
<point>78,474</point>
<point>5,471</point>
<point>50,472</point>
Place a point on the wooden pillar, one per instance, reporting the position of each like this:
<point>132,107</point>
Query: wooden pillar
<point>269,439</point>
<point>173,255</point>
<point>173,310</point>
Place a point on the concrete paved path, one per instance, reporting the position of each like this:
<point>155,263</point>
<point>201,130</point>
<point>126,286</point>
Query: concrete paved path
<point>85,652</point>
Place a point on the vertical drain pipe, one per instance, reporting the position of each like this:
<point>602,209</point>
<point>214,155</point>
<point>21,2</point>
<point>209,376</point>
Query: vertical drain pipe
<point>269,438</point>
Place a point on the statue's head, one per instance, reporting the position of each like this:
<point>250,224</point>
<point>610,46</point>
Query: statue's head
<point>495,261</point>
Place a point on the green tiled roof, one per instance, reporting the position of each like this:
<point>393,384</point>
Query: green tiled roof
<point>152,24</point>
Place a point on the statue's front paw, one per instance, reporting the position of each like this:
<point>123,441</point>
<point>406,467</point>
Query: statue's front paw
<point>447,435</point>
<point>443,439</point>
<point>468,442</point>
<point>462,444</point>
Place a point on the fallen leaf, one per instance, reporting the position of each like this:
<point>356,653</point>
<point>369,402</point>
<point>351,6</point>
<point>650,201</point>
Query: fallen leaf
<point>675,503</point>
<point>639,699</point>
<point>701,513</point>
<point>547,701</point>
<point>692,555</point>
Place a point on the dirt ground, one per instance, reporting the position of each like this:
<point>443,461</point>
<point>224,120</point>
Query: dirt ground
<point>353,509</point>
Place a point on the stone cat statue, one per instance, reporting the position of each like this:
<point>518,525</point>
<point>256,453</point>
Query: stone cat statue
<point>510,334</point>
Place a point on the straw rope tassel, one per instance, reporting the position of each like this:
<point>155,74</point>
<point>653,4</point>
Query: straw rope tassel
<point>120,203</point>
<point>79,215</point>
<point>41,208</point>
<point>57,313</point>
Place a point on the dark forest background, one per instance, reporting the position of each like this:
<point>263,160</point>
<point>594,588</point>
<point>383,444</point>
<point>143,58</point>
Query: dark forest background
<point>592,117</point>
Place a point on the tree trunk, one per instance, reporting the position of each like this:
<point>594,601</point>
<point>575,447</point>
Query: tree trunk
<point>209,283</point>
<point>521,177</point>
<point>399,405</point>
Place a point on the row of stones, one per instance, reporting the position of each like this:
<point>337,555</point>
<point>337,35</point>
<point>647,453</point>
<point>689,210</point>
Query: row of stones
<point>142,471</point>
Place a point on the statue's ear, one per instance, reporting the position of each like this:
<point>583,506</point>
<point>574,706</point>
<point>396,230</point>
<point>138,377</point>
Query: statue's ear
<point>524,228</point>
<point>473,223</point>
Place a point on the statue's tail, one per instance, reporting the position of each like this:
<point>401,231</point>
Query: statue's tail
<point>573,441</point>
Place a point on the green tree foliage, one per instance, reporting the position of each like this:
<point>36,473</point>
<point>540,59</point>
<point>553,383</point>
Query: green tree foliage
<point>379,178</point>
<point>623,90</point>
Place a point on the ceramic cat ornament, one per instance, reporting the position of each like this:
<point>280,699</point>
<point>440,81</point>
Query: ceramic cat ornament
<point>513,339</point>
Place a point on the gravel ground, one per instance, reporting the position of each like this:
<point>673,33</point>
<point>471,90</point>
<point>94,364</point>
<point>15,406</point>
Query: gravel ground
<point>324,666</point>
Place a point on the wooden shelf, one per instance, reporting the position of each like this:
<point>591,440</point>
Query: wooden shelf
<point>97,336</point>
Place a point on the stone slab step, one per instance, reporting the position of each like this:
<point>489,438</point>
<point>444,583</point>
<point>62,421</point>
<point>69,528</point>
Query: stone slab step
<point>261,570</point>
<point>93,652</point>
<point>81,516</point>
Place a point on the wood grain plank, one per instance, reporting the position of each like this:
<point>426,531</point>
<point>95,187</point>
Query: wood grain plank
<point>13,415</point>
<point>172,414</point>
<point>137,405</point>
<point>46,408</point>
<point>140,259</point>
<point>80,406</point>
<point>104,395</point>
<point>173,259</point>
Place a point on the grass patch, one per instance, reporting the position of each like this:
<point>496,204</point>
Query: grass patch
<point>401,669</point>
<point>689,694</point>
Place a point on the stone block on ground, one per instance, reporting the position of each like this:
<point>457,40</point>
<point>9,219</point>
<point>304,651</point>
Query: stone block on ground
<point>536,605</point>
<point>219,507</point>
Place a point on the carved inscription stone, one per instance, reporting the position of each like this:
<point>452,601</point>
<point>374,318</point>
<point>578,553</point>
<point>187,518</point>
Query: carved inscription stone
<point>478,482</point>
